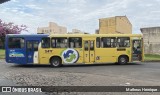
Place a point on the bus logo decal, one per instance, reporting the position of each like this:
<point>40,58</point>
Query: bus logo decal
<point>16,54</point>
<point>70,56</point>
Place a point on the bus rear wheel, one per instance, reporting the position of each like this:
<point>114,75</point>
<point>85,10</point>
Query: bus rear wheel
<point>56,62</point>
<point>122,60</point>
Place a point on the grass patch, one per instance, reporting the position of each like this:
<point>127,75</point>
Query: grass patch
<point>149,57</point>
<point>2,53</point>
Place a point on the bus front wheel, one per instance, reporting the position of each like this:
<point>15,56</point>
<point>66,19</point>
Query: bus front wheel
<point>122,60</point>
<point>56,62</point>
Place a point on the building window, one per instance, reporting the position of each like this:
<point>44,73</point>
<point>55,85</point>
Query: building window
<point>75,42</point>
<point>59,43</point>
<point>46,31</point>
<point>46,42</point>
<point>42,31</point>
<point>108,42</point>
<point>16,42</point>
<point>123,42</point>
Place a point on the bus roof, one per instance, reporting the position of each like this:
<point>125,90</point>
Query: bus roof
<point>74,35</point>
<point>95,35</point>
<point>26,35</point>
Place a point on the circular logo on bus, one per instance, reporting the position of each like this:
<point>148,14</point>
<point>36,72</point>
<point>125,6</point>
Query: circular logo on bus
<point>70,56</point>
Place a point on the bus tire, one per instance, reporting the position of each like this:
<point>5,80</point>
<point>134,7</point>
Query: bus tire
<point>56,62</point>
<point>122,60</point>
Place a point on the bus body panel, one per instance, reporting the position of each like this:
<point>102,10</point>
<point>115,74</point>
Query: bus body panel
<point>105,55</point>
<point>16,56</point>
<point>31,51</point>
<point>88,50</point>
<point>88,53</point>
<point>25,55</point>
<point>45,55</point>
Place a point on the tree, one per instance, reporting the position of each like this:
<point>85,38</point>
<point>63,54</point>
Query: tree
<point>9,28</point>
<point>2,1</point>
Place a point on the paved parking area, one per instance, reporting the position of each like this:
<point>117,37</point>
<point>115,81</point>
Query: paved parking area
<point>133,74</point>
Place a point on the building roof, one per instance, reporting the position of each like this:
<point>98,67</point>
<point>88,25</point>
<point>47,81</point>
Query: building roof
<point>150,27</point>
<point>112,17</point>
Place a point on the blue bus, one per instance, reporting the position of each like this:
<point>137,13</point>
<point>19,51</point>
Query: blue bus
<point>22,49</point>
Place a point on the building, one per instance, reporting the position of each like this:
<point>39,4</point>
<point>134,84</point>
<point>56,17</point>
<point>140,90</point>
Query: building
<point>76,31</point>
<point>113,25</point>
<point>97,31</point>
<point>151,36</point>
<point>53,28</point>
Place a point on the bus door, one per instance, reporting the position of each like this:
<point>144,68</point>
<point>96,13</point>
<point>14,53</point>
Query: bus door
<point>89,53</point>
<point>137,50</point>
<point>32,51</point>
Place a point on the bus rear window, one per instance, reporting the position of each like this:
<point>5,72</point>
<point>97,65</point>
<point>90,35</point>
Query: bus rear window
<point>16,42</point>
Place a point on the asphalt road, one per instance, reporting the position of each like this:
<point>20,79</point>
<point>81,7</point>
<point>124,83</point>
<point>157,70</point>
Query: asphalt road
<point>133,74</point>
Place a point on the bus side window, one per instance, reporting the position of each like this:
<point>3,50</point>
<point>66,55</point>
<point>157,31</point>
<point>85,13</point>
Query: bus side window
<point>16,42</point>
<point>91,45</point>
<point>71,45</point>
<point>123,42</point>
<point>113,42</point>
<point>35,45</point>
<point>108,42</point>
<point>29,46</point>
<point>75,42</point>
<point>46,42</point>
<point>59,42</point>
<point>62,42</point>
<point>98,42</point>
<point>86,45</point>
<point>53,43</point>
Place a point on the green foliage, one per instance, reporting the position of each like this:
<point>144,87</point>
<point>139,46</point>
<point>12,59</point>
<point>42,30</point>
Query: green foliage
<point>2,53</point>
<point>150,57</point>
<point>9,28</point>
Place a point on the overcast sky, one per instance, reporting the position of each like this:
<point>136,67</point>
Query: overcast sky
<point>80,14</point>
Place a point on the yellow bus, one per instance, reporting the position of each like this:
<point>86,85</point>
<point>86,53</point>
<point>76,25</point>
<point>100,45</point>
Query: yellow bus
<point>59,49</point>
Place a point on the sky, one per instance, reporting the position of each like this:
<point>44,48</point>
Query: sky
<point>80,14</point>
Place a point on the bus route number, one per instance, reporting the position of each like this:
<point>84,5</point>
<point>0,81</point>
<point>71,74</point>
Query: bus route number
<point>48,51</point>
